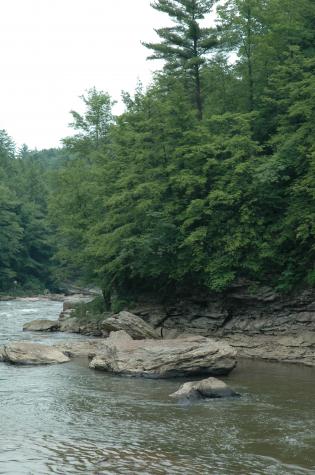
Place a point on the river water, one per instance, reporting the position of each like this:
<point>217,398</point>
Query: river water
<point>68,419</point>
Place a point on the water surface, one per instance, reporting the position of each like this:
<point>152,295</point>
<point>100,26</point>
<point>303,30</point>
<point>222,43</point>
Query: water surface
<point>68,419</point>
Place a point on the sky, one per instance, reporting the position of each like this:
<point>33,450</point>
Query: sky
<point>54,50</point>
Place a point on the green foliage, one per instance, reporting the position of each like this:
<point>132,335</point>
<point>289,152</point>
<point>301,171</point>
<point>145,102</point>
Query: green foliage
<point>163,198</point>
<point>177,200</point>
<point>92,311</point>
<point>185,45</point>
<point>92,127</point>
<point>25,248</point>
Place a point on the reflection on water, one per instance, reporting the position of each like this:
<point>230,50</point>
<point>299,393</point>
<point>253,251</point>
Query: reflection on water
<point>67,419</point>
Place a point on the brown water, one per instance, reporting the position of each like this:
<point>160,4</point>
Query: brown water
<point>67,419</point>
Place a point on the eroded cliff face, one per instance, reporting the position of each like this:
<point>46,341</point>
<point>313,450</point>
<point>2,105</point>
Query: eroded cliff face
<point>241,310</point>
<point>259,323</point>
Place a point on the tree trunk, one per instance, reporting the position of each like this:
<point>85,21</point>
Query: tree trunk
<point>198,97</point>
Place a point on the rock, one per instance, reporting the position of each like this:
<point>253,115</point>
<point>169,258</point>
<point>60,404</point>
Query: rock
<point>166,358</point>
<point>118,337</point>
<point>74,300</point>
<point>81,349</point>
<point>283,349</point>
<point>137,328</point>
<point>207,388</point>
<point>27,353</point>
<point>41,326</point>
<point>91,347</point>
<point>169,334</point>
<point>68,323</point>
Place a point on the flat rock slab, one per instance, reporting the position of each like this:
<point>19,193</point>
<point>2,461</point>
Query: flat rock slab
<point>207,388</point>
<point>137,328</point>
<point>90,347</point>
<point>42,326</point>
<point>27,353</point>
<point>298,348</point>
<point>85,348</point>
<point>166,358</point>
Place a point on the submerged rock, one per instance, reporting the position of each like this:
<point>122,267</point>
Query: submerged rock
<point>206,388</point>
<point>41,326</point>
<point>166,358</point>
<point>137,328</point>
<point>27,353</point>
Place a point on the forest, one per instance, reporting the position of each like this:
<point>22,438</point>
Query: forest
<point>207,177</point>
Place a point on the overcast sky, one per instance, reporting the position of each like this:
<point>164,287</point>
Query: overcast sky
<point>53,50</point>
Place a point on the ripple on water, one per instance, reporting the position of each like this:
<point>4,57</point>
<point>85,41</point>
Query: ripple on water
<point>67,419</point>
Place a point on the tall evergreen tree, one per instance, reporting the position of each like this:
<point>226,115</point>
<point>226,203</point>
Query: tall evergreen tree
<point>184,46</point>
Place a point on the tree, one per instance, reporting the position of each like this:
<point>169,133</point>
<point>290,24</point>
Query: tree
<point>92,127</point>
<point>260,33</point>
<point>76,202</point>
<point>241,29</point>
<point>185,45</point>
<point>168,201</point>
<point>290,98</point>
<point>11,233</point>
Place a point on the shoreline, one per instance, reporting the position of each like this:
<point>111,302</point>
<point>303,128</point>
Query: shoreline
<point>256,341</point>
<point>54,297</point>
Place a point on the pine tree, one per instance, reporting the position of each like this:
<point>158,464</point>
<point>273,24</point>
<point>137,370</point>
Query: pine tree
<point>184,46</point>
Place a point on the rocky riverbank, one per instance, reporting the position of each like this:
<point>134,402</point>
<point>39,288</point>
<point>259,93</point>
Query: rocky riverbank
<point>257,322</point>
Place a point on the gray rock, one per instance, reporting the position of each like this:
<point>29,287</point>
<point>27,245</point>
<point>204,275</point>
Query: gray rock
<point>166,358</point>
<point>137,328</point>
<point>68,323</point>
<point>91,347</point>
<point>252,318</point>
<point>283,349</point>
<point>41,326</point>
<point>207,388</point>
<point>118,337</point>
<point>74,300</point>
<point>81,349</point>
<point>27,353</point>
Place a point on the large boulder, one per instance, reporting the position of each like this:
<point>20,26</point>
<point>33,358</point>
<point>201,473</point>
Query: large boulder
<point>67,323</point>
<point>137,328</point>
<point>206,388</point>
<point>41,326</point>
<point>27,353</point>
<point>166,358</point>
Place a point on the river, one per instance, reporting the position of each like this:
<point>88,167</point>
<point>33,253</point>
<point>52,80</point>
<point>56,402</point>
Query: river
<point>68,419</point>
